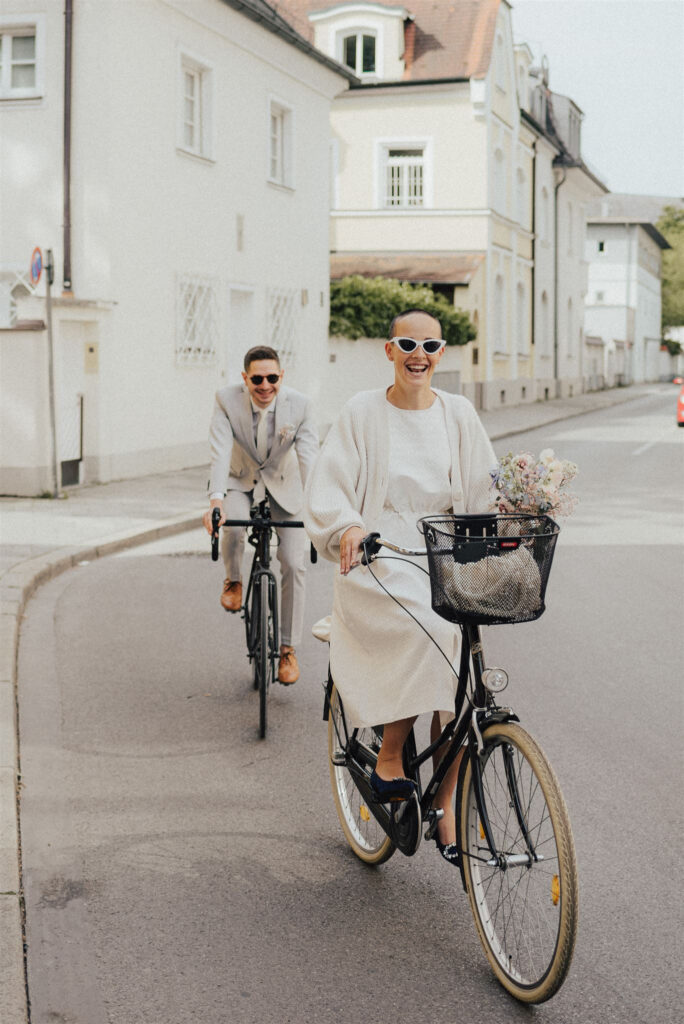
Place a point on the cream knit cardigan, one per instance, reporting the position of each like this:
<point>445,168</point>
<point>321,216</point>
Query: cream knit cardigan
<point>348,483</point>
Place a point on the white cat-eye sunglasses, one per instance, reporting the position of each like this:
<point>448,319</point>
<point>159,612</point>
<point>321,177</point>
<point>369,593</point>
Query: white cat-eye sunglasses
<point>431,346</point>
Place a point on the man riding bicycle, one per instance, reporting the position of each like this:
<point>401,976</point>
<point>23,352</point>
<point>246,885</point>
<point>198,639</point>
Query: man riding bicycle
<point>263,442</point>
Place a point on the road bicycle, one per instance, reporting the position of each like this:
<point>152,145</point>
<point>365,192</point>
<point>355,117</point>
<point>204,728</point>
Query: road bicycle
<point>260,606</point>
<point>514,841</point>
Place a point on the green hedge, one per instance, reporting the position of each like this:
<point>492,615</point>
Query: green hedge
<point>362,307</point>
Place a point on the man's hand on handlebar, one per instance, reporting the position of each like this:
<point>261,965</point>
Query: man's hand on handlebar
<point>206,518</point>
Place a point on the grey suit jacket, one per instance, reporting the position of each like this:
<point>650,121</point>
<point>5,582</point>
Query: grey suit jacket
<point>235,464</point>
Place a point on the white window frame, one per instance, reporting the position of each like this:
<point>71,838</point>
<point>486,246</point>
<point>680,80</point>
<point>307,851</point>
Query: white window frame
<point>18,25</point>
<point>203,74</point>
<point>383,147</point>
<point>359,31</point>
<point>283,176</point>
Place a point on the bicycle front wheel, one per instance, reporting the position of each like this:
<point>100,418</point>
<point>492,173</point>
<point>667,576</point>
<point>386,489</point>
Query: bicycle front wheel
<point>363,833</point>
<point>525,902</point>
<point>262,655</point>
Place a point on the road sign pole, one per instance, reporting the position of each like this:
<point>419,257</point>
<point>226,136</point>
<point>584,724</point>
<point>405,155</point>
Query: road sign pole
<point>51,375</point>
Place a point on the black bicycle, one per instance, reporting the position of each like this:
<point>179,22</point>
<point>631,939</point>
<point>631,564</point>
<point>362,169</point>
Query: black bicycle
<point>513,835</point>
<point>260,606</point>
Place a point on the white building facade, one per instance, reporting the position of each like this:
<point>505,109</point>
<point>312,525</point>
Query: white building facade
<point>623,309</point>
<point>198,210</point>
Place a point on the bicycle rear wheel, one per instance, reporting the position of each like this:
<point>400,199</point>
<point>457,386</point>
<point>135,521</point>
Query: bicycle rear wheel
<point>363,833</point>
<point>526,911</point>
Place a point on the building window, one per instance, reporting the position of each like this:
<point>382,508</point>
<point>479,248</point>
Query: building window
<point>521,198</point>
<point>544,215</point>
<point>521,316</point>
<point>358,52</point>
<point>280,144</point>
<point>21,59</point>
<point>545,326</point>
<point>196,319</point>
<point>500,339</point>
<point>599,296</point>
<point>601,246</point>
<point>194,132</point>
<point>283,307</point>
<point>499,181</point>
<point>405,176</point>
<point>476,356</point>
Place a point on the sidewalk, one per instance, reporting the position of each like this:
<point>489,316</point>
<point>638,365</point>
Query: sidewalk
<point>41,538</point>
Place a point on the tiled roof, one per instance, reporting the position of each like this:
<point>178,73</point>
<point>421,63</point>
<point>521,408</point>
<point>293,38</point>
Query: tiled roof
<point>453,38</point>
<point>419,267</point>
<point>267,15</point>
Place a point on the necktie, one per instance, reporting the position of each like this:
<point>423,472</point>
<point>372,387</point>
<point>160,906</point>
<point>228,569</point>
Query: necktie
<point>262,436</point>
<point>262,452</point>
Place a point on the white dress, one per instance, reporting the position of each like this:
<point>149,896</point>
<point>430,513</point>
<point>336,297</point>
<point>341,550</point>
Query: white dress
<point>384,666</point>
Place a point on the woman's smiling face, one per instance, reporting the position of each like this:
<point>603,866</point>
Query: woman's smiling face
<point>414,369</point>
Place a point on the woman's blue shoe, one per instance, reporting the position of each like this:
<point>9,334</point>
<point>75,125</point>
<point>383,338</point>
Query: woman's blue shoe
<point>392,789</point>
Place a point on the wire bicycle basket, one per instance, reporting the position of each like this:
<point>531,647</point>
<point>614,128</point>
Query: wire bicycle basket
<point>489,569</point>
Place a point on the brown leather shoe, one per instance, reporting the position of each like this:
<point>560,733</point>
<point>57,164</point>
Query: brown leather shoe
<point>288,669</point>
<point>231,598</point>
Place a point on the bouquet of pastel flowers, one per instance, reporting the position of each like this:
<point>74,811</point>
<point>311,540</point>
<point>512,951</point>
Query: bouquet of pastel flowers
<point>526,484</point>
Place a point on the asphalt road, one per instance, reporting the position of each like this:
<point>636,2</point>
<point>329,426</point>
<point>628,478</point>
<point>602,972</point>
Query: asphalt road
<point>179,869</point>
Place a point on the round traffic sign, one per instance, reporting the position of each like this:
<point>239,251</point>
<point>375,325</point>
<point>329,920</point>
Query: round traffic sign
<point>36,265</point>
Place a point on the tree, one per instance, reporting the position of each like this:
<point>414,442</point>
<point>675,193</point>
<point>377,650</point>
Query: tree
<point>671,225</point>
<point>362,307</point>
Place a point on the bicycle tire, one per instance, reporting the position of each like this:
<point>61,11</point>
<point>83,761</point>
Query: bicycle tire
<point>262,655</point>
<point>363,833</point>
<point>526,915</point>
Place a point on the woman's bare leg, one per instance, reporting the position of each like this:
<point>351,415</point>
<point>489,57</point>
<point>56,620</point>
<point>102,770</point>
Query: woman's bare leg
<point>444,797</point>
<point>390,761</point>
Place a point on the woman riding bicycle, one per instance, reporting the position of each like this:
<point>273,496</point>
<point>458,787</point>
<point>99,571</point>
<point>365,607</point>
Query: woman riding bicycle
<point>395,455</point>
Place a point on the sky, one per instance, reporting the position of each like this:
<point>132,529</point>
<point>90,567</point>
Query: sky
<point>622,62</point>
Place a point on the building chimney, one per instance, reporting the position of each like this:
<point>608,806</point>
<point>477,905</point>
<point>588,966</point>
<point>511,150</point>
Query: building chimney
<point>409,45</point>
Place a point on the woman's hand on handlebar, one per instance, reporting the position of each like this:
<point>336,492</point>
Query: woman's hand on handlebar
<point>206,518</point>
<point>350,548</point>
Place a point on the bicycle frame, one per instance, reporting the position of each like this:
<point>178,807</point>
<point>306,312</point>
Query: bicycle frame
<point>473,715</point>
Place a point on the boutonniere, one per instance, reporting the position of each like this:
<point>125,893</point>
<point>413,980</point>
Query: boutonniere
<point>286,433</point>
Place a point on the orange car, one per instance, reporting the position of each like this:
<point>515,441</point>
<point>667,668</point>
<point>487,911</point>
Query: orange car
<point>680,409</point>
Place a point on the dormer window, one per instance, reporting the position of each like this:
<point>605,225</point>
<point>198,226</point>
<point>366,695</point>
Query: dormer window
<point>358,52</point>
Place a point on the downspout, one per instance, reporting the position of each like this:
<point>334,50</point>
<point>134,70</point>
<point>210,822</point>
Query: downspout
<point>555,280</point>
<point>68,38</point>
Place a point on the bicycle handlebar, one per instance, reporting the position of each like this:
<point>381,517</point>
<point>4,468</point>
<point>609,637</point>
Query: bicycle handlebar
<point>372,543</point>
<point>257,521</point>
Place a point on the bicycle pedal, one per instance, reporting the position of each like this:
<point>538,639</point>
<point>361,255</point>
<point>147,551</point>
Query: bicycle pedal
<point>339,759</point>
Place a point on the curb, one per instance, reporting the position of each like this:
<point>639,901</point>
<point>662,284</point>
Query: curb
<point>16,587</point>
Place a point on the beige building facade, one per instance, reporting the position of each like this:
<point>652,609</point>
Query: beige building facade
<point>449,169</point>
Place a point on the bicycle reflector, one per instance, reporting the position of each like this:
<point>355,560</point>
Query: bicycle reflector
<point>495,679</point>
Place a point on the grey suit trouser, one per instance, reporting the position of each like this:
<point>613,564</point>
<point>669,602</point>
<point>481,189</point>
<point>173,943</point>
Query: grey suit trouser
<point>292,547</point>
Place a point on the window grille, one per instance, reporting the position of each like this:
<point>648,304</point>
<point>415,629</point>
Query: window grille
<point>283,305</point>
<point>14,284</point>
<point>197,319</point>
<point>405,177</point>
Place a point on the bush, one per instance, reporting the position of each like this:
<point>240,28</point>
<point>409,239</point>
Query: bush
<point>362,307</point>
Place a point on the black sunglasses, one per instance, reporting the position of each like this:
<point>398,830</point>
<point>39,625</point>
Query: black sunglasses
<point>258,378</point>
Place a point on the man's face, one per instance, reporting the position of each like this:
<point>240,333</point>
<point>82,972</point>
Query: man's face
<point>264,391</point>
